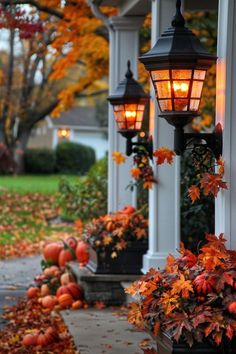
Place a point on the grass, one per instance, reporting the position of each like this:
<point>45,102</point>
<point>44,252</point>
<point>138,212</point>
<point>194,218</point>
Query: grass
<point>45,184</point>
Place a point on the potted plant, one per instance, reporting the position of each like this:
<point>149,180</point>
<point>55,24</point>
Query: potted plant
<point>118,242</point>
<point>190,306</point>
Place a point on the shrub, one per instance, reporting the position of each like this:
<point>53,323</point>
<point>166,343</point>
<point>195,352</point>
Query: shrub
<point>87,198</point>
<point>40,161</point>
<point>73,158</point>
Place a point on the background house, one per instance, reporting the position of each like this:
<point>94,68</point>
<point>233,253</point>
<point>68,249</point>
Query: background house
<point>79,125</point>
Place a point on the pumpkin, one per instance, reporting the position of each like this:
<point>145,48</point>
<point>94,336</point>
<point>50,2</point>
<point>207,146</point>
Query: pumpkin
<point>45,290</point>
<point>232,307</point>
<point>65,300</point>
<point>49,301</point>
<point>203,284</point>
<point>72,289</point>
<point>30,339</point>
<point>75,290</point>
<point>82,253</point>
<point>51,251</point>
<point>77,305</point>
<point>71,242</point>
<point>128,210</point>
<point>66,278</point>
<point>51,271</point>
<point>44,339</point>
<point>66,255</point>
<point>52,332</point>
<point>32,292</point>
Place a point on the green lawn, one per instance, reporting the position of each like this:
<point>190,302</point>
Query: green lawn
<point>46,184</point>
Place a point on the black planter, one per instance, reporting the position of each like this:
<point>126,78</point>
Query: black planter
<point>166,346</point>
<point>128,261</point>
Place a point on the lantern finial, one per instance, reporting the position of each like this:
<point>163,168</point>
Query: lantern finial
<point>178,19</point>
<point>129,73</point>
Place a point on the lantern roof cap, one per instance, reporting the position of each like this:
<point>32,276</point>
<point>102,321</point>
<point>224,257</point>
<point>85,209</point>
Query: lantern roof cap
<point>178,47</point>
<point>128,90</point>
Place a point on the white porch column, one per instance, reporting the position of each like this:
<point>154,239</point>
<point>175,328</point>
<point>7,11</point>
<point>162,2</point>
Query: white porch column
<point>124,46</point>
<point>164,198</point>
<point>226,115</point>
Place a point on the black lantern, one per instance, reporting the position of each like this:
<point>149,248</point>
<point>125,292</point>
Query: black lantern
<point>177,65</point>
<point>129,101</point>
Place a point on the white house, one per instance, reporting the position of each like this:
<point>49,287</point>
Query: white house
<point>79,125</point>
<point>164,233</point>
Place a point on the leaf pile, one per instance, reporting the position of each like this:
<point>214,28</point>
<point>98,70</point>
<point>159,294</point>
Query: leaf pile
<point>27,317</point>
<point>193,298</point>
<point>24,223</point>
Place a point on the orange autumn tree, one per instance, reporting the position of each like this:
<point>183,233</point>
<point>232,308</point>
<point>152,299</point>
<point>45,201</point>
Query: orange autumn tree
<point>50,56</point>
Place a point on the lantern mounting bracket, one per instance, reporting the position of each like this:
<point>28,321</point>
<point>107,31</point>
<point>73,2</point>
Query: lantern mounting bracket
<point>132,147</point>
<point>212,141</point>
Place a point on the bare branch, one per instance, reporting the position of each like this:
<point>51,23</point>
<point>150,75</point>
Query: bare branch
<point>99,14</point>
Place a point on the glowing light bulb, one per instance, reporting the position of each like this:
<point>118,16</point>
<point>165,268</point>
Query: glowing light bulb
<point>130,114</point>
<point>180,87</point>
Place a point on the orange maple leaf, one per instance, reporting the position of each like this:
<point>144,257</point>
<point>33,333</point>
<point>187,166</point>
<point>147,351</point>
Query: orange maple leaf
<point>135,316</point>
<point>164,154</point>
<point>118,157</point>
<point>135,172</point>
<point>182,286</point>
<point>139,232</point>
<point>211,184</point>
<point>147,184</point>
<point>194,193</point>
<point>221,166</point>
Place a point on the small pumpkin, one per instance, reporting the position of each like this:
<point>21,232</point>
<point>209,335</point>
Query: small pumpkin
<point>71,242</point>
<point>32,292</point>
<point>62,290</point>
<point>66,255</point>
<point>49,301</point>
<point>128,210</point>
<point>65,300</point>
<point>76,291</point>
<point>77,305</point>
<point>66,278</point>
<point>82,253</point>
<point>45,290</point>
<point>30,339</point>
<point>51,271</point>
<point>232,307</point>
<point>44,339</point>
<point>51,251</point>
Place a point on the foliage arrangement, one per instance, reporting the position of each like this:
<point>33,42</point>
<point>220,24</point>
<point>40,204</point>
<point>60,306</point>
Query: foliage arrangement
<point>193,298</point>
<point>116,230</point>
<point>87,198</point>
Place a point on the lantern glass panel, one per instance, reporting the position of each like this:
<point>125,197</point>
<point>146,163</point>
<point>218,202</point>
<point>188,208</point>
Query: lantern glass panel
<point>165,105</point>
<point>181,88</point>
<point>181,105</point>
<point>199,74</point>
<point>163,89</point>
<point>194,105</point>
<point>160,75</point>
<point>181,74</point>
<point>129,116</point>
<point>197,89</point>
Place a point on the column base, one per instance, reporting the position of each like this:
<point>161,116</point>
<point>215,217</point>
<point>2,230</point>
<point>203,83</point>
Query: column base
<point>155,260</point>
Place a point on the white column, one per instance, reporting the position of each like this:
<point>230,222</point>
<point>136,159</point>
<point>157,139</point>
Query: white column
<point>164,198</point>
<point>124,46</point>
<point>226,115</point>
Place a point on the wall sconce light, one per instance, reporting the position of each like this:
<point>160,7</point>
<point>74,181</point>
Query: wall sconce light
<point>177,65</point>
<point>129,101</point>
<point>63,133</point>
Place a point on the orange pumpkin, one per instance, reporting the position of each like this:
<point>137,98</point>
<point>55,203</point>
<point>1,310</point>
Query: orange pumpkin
<point>44,339</point>
<point>51,271</point>
<point>49,301</point>
<point>65,256</point>
<point>71,242</point>
<point>77,305</point>
<point>51,251</point>
<point>45,290</point>
<point>32,292</point>
<point>72,289</point>
<point>203,284</point>
<point>128,210</point>
<point>66,278</point>
<point>65,300</point>
<point>82,253</point>
<point>30,339</point>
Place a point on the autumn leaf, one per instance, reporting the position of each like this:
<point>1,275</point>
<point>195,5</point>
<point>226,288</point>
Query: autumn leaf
<point>147,184</point>
<point>194,193</point>
<point>139,232</point>
<point>164,154</point>
<point>135,315</point>
<point>169,302</point>
<point>221,166</point>
<point>179,322</point>
<point>211,184</point>
<point>147,288</point>
<point>118,157</point>
<point>182,286</point>
<point>135,172</point>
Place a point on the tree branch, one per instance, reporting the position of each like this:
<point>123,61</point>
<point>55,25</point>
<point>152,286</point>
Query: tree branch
<point>99,14</point>
<point>43,8</point>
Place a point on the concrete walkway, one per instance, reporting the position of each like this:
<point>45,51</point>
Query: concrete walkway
<point>15,277</point>
<point>104,332</point>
